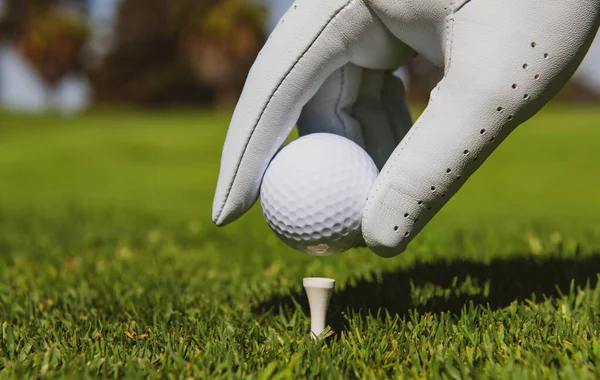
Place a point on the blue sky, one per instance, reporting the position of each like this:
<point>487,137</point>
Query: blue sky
<point>103,9</point>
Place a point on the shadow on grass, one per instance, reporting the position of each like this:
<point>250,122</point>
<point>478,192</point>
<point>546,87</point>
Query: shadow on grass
<point>514,279</point>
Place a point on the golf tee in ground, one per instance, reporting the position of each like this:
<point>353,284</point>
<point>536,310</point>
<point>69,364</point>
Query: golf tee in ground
<point>318,291</point>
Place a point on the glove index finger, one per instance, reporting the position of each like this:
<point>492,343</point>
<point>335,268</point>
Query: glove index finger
<point>310,42</point>
<point>481,100</point>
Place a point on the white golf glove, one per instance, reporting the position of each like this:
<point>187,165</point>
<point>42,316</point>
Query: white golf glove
<point>328,67</point>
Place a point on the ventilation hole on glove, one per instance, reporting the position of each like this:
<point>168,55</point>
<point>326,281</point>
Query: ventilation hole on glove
<point>457,178</point>
<point>515,85</point>
<point>443,195</point>
<point>466,151</point>
<point>526,96</point>
<point>499,109</point>
<point>510,117</point>
<point>546,55</point>
<point>432,188</point>
<point>475,159</point>
<point>396,228</point>
<point>295,6</point>
<point>420,203</point>
<point>448,170</point>
<point>406,234</point>
<point>525,66</point>
<point>406,215</point>
<point>537,76</point>
<point>482,131</point>
<point>533,44</point>
<point>492,139</point>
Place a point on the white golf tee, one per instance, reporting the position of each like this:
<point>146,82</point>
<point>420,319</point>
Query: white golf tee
<point>318,291</point>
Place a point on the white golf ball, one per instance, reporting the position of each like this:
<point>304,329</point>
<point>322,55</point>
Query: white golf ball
<point>314,192</point>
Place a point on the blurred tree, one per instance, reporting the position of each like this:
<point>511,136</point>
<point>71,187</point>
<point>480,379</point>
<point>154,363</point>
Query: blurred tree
<point>424,76</point>
<point>221,44</point>
<point>51,38</point>
<point>577,91</point>
<point>181,51</point>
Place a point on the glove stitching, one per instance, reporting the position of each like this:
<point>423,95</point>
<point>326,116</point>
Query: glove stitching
<point>461,4</point>
<point>389,93</point>
<point>336,14</point>
<point>384,175</point>
<point>339,100</point>
<point>454,8</point>
<point>423,118</point>
<point>383,94</point>
<point>412,132</point>
<point>449,37</point>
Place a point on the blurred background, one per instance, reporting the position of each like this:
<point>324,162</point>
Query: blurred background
<point>69,55</point>
<point>112,118</point>
<point>123,106</point>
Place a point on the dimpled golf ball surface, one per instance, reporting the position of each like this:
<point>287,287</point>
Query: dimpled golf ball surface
<point>314,192</point>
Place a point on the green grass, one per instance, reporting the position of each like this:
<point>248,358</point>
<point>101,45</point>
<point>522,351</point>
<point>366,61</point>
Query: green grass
<point>111,267</point>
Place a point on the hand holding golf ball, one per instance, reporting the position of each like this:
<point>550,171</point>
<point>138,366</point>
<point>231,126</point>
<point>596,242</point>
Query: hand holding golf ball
<point>314,192</point>
<point>327,67</point>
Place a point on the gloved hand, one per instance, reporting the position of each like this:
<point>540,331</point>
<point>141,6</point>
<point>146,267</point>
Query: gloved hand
<point>328,64</point>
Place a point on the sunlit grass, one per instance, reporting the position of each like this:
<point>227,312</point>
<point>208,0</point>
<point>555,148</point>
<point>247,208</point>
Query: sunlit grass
<point>110,265</point>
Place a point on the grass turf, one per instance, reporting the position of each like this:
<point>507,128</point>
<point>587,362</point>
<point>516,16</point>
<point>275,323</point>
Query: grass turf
<point>110,265</point>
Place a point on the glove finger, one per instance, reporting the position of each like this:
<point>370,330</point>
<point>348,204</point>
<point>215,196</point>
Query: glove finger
<point>394,102</point>
<point>481,99</point>
<point>330,109</point>
<point>381,111</point>
<point>311,41</point>
<point>364,105</point>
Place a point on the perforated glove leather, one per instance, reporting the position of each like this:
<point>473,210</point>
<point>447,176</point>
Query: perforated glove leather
<point>328,67</point>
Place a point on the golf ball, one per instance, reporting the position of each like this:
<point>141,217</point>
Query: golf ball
<point>314,192</point>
